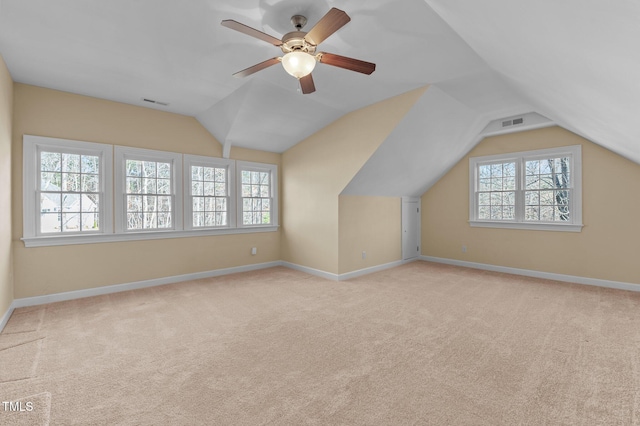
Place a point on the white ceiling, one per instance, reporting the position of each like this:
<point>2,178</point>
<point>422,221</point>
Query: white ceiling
<point>575,62</point>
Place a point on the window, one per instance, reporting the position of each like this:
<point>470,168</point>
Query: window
<point>496,191</point>
<point>528,190</point>
<point>77,192</point>
<point>148,190</point>
<point>548,189</point>
<point>209,182</point>
<point>66,187</point>
<point>256,194</point>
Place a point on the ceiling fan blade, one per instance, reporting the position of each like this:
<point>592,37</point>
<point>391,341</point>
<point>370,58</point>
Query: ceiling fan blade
<point>257,67</point>
<point>347,63</point>
<point>327,25</point>
<point>235,25</point>
<point>306,84</point>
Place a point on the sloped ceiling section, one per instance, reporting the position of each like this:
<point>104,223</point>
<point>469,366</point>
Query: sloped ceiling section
<point>572,61</point>
<point>235,120</point>
<point>268,111</point>
<point>576,61</point>
<point>177,53</point>
<point>442,126</point>
<point>435,134</point>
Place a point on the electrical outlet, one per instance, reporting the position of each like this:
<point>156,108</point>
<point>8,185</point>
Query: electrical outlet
<point>254,251</point>
<point>464,249</point>
<point>364,254</point>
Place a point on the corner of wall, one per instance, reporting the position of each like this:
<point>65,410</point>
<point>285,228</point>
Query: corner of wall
<point>316,171</point>
<point>6,251</point>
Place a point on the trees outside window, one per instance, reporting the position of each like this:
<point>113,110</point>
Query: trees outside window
<point>67,187</point>
<point>77,192</point>
<point>532,190</point>
<point>257,185</point>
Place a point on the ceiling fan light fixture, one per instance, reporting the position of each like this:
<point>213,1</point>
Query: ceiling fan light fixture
<point>298,64</point>
<point>299,48</point>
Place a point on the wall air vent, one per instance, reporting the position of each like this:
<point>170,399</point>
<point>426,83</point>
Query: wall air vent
<point>513,122</point>
<point>151,101</point>
<point>516,123</point>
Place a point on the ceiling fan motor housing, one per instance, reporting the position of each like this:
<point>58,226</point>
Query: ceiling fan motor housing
<point>294,41</point>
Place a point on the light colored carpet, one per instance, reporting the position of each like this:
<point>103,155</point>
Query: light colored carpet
<point>419,344</point>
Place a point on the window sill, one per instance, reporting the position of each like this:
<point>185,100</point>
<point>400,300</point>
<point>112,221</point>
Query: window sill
<point>63,240</point>
<point>527,226</point>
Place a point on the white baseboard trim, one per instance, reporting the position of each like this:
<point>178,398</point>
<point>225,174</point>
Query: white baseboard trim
<point>372,269</point>
<point>311,271</point>
<point>6,316</point>
<point>347,275</point>
<point>116,288</point>
<point>537,274</point>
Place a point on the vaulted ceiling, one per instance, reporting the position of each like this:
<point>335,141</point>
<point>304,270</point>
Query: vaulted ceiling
<point>574,62</point>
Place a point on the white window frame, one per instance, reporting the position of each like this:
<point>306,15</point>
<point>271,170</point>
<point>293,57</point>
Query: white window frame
<point>199,160</point>
<point>32,146</point>
<point>124,153</point>
<point>573,152</point>
<point>257,167</point>
<point>113,194</point>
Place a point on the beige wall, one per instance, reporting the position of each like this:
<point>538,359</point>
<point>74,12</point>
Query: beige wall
<point>372,225</point>
<point>315,172</point>
<point>48,270</point>
<point>607,247</point>
<point>321,228</point>
<point>6,262</point>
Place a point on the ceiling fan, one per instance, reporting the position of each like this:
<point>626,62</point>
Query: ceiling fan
<point>299,48</point>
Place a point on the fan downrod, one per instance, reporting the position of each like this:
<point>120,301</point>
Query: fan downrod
<point>298,21</point>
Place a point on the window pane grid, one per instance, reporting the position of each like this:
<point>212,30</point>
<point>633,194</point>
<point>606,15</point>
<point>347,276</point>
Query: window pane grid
<point>530,188</point>
<point>256,197</point>
<point>210,211</point>
<point>548,206</point>
<point>548,190</point>
<point>148,195</point>
<point>210,196</point>
<point>496,195</point>
<point>69,192</point>
<point>77,187</point>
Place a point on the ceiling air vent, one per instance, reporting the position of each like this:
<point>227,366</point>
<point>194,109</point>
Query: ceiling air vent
<point>151,101</point>
<point>507,123</point>
<point>518,121</point>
